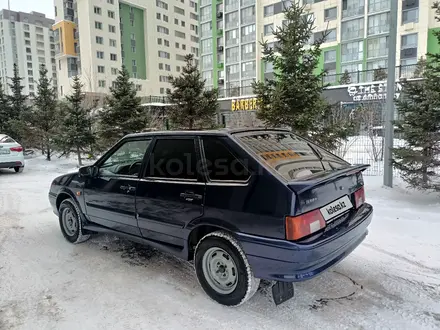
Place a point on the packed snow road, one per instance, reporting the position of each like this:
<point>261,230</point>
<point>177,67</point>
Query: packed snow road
<point>392,281</point>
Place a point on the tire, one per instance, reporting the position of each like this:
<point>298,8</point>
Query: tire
<point>18,169</point>
<point>70,222</point>
<point>232,282</point>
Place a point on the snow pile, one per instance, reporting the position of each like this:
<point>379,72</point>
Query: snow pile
<point>392,281</point>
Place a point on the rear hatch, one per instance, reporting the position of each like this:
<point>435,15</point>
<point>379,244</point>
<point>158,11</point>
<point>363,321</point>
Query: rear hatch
<point>9,150</point>
<point>326,187</point>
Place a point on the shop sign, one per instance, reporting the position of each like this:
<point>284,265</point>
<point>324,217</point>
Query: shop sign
<point>371,92</point>
<point>244,104</point>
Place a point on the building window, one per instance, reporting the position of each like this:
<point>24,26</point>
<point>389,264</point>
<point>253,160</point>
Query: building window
<point>27,35</point>
<point>161,4</point>
<point>112,2</point>
<point>101,69</point>
<point>26,27</point>
<point>114,71</point>
<point>99,40</point>
<point>111,13</point>
<point>268,29</point>
<point>379,24</point>
<point>206,61</point>
<point>352,51</point>
<point>113,57</point>
<point>98,25</point>
<point>163,54</point>
<point>29,57</point>
<point>352,8</point>
<point>410,15</point>
<point>176,21</point>
<point>248,33</point>
<point>268,10</point>
<point>97,10</point>
<point>179,10</point>
<point>352,29</point>
<point>112,42</point>
<point>111,28</point>
<point>409,41</point>
<point>206,46</point>
<point>163,30</point>
<point>159,41</point>
<point>206,14</point>
<point>165,18</point>
<point>179,34</point>
<point>377,47</point>
<point>232,54</point>
<point>330,56</point>
<point>378,5</point>
<point>158,15</point>
<point>101,83</point>
<point>206,29</point>
<point>166,42</point>
<point>100,54</point>
<point>248,51</point>
<point>183,46</point>
<point>330,13</point>
<point>138,88</point>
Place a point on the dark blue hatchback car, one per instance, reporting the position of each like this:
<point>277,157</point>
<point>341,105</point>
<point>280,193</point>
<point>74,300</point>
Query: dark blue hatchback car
<point>244,205</point>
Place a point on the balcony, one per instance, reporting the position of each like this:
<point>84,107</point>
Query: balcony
<point>352,34</point>
<point>379,6</point>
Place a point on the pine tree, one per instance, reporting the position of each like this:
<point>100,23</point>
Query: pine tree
<point>345,78</point>
<point>4,111</point>
<point>419,110</point>
<point>192,105</point>
<point>76,135</point>
<point>294,97</point>
<point>123,113</point>
<point>18,106</point>
<point>379,74</point>
<point>45,115</point>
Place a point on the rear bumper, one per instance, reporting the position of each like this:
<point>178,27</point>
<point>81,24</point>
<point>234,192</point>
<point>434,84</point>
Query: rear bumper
<point>281,260</point>
<point>53,202</point>
<point>12,164</point>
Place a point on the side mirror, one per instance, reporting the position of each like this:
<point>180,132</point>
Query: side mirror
<point>88,171</point>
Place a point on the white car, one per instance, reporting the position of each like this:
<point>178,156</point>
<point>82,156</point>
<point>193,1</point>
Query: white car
<point>11,154</point>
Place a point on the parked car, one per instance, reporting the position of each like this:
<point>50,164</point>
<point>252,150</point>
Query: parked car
<point>11,154</point>
<point>244,205</point>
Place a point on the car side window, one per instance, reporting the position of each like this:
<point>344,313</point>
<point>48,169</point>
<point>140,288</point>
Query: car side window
<point>7,139</point>
<point>173,159</point>
<point>221,164</point>
<point>126,160</point>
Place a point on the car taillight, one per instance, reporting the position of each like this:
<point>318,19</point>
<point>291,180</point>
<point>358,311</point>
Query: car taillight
<point>304,225</point>
<point>17,149</point>
<point>359,197</point>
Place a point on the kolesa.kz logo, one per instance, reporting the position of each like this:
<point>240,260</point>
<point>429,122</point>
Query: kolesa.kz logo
<point>336,208</point>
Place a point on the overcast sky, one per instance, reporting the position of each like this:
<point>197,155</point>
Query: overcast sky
<point>42,6</point>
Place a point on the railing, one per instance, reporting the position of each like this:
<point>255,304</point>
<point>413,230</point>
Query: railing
<point>404,71</point>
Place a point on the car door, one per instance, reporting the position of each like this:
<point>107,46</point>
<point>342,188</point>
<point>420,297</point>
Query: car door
<point>171,192</point>
<point>110,197</point>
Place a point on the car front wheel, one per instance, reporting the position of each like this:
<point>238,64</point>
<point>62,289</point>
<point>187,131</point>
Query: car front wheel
<point>223,270</point>
<point>70,222</point>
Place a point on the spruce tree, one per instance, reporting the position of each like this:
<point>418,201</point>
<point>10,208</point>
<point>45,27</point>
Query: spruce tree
<point>18,106</point>
<point>4,111</point>
<point>294,97</point>
<point>192,105</point>
<point>45,115</point>
<point>75,135</point>
<point>345,78</point>
<point>379,74</point>
<point>123,113</point>
<point>419,110</point>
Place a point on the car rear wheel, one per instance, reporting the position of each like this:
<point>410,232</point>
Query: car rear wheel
<point>223,270</point>
<point>18,169</point>
<point>70,222</point>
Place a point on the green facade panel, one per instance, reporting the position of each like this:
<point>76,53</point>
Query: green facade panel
<point>133,25</point>
<point>433,44</point>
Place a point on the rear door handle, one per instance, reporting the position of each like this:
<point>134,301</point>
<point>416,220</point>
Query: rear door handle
<point>190,196</point>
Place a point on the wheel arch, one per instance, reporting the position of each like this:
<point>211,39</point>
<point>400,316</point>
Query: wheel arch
<point>204,227</point>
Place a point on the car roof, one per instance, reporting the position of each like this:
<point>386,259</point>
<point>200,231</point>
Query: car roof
<point>217,132</point>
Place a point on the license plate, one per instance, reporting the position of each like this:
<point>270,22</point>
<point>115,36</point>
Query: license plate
<point>4,152</point>
<point>336,208</point>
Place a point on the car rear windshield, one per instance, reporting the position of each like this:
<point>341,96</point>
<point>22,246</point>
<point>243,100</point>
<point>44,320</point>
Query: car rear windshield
<point>291,156</point>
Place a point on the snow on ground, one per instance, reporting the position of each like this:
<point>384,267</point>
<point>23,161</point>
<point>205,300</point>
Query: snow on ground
<point>392,281</point>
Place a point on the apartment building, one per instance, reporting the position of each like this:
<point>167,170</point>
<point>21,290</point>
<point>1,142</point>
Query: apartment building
<point>150,38</point>
<point>27,40</point>
<point>357,41</point>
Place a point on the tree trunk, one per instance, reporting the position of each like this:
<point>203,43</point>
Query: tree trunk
<point>48,152</point>
<point>191,124</point>
<point>424,167</point>
<point>78,152</point>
